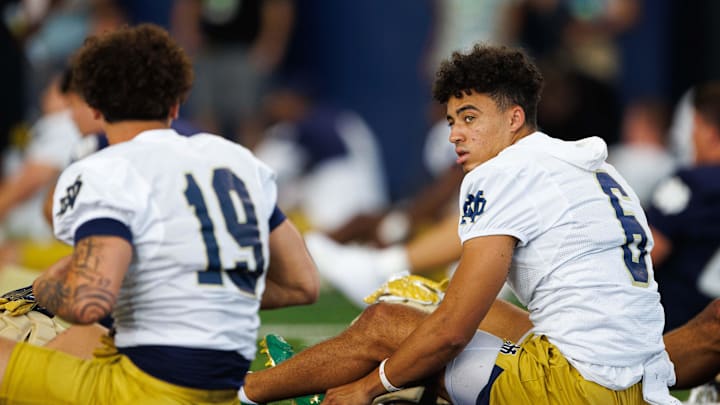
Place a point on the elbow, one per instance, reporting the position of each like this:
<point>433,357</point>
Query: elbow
<point>311,292</point>
<point>455,342</point>
<point>453,336</point>
<point>310,287</point>
<point>82,317</point>
<point>89,312</point>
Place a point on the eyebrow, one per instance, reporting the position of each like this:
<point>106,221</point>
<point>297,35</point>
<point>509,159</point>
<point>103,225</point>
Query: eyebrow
<point>466,107</point>
<point>461,109</point>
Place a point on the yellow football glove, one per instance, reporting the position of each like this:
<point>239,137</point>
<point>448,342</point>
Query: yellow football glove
<point>412,289</point>
<point>23,320</point>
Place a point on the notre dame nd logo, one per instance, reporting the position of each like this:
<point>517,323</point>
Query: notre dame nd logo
<point>71,192</point>
<point>474,205</point>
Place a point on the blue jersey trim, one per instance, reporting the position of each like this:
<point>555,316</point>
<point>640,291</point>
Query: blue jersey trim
<point>102,141</point>
<point>484,396</point>
<point>103,227</point>
<point>276,218</point>
<point>194,368</point>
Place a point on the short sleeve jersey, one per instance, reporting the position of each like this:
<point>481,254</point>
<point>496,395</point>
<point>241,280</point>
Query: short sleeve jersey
<point>198,212</point>
<point>581,264</point>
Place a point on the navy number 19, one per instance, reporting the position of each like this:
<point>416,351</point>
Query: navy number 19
<point>244,229</point>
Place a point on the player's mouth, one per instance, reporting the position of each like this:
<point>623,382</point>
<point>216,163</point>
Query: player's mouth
<point>462,156</point>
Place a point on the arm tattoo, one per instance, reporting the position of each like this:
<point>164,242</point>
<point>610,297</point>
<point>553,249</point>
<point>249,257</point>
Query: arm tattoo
<point>88,298</point>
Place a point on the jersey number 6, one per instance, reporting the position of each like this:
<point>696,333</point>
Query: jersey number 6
<point>634,249</point>
<point>245,233</point>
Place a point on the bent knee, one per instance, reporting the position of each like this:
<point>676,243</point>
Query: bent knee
<point>388,324</point>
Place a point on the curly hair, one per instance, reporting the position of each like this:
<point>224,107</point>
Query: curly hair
<point>507,75</point>
<point>134,73</point>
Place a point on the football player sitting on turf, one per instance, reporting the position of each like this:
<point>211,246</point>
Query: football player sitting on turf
<point>555,221</point>
<point>178,237</point>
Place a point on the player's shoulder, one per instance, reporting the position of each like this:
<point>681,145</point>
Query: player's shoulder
<point>216,141</point>
<point>510,163</point>
<point>111,165</point>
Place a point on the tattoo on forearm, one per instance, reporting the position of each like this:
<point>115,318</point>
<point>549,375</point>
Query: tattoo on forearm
<point>85,259</point>
<point>52,294</point>
<point>92,302</point>
<point>90,299</point>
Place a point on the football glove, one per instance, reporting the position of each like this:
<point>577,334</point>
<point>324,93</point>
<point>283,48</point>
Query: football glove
<point>23,320</point>
<point>416,291</point>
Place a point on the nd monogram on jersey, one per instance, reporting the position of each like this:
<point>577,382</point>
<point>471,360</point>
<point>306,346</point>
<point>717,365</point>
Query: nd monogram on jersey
<point>474,205</point>
<point>581,265</point>
<point>199,223</point>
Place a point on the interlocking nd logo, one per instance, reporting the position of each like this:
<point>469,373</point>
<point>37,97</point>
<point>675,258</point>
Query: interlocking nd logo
<point>474,206</point>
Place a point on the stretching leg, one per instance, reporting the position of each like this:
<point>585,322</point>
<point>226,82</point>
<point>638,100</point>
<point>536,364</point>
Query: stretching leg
<point>345,358</point>
<point>374,336</point>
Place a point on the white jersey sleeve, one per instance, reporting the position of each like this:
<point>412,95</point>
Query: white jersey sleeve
<point>493,202</point>
<point>96,189</point>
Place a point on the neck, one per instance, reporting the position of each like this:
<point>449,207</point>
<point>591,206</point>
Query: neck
<point>122,131</point>
<point>522,133</point>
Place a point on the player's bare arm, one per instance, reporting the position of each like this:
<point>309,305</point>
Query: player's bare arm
<point>292,278</point>
<point>472,291</point>
<point>83,288</point>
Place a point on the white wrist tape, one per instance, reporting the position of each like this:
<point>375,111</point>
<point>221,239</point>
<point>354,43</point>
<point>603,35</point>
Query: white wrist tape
<point>384,380</point>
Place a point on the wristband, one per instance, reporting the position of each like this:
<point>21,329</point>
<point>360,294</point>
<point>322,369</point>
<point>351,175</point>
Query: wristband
<point>384,380</point>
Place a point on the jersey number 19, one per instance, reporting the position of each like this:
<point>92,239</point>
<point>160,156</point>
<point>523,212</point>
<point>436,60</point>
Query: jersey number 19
<point>245,232</point>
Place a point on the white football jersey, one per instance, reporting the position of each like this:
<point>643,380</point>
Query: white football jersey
<point>582,265</point>
<point>198,209</point>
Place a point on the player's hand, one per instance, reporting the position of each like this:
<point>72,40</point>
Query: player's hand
<point>360,392</point>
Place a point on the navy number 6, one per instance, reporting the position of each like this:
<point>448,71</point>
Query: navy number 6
<point>634,249</point>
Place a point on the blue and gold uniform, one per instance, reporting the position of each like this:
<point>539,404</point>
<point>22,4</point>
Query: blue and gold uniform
<point>186,317</point>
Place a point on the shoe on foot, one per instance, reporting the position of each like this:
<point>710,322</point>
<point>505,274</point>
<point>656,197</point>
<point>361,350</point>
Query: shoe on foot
<point>277,350</point>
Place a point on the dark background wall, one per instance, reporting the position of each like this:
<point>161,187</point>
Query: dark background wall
<point>375,69</point>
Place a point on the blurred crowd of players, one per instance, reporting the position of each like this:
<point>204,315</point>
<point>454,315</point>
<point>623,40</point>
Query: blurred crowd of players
<point>365,165</point>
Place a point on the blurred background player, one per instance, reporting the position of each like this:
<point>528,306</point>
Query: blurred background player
<point>236,47</point>
<point>684,215</point>
<point>31,175</point>
<point>642,156</point>
<point>327,159</point>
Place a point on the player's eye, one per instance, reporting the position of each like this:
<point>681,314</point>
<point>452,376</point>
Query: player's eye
<point>468,119</point>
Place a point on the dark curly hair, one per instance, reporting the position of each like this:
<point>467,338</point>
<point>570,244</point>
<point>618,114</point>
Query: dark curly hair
<point>507,75</point>
<point>134,73</point>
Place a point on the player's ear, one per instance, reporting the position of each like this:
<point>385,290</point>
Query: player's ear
<point>517,117</point>
<point>174,111</point>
